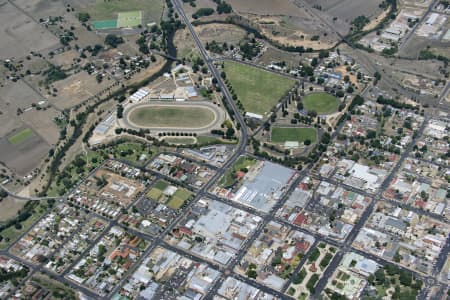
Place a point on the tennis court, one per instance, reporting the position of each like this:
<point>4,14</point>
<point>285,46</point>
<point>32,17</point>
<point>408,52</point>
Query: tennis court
<point>129,19</point>
<point>105,24</point>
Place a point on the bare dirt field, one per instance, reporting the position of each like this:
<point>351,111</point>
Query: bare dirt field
<point>23,157</point>
<point>348,10</point>
<point>9,208</point>
<point>20,34</point>
<point>76,89</point>
<point>275,55</point>
<point>186,47</point>
<point>267,7</point>
<point>220,33</point>
<point>19,95</point>
<point>42,122</point>
<point>290,23</point>
<point>14,96</point>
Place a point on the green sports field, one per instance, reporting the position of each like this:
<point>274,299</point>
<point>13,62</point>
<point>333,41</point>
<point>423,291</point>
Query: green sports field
<point>322,103</point>
<point>257,89</point>
<point>282,135</point>
<point>171,117</point>
<point>21,136</point>
<point>109,10</point>
<point>129,19</point>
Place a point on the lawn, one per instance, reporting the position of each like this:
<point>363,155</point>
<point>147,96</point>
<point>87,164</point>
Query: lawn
<point>108,10</point>
<point>281,135</point>
<point>171,116</point>
<point>322,103</point>
<point>179,198</point>
<point>21,136</point>
<point>205,140</point>
<point>161,185</point>
<point>154,194</point>
<point>129,19</point>
<point>258,90</point>
<point>229,177</point>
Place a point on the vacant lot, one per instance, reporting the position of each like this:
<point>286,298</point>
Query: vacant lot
<point>322,103</point>
<point>281,135</point>
<point>258,90</point>
<point>171,116</point>
<point>20,34</point>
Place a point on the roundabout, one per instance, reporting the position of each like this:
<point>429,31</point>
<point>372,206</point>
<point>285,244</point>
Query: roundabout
<point>195,117</point>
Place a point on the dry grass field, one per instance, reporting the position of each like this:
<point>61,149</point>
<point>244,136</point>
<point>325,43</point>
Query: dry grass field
<point>20,34</point>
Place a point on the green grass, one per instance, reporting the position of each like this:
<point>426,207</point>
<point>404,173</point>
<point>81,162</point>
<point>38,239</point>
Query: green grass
<point>281,135</point>
<point>107,10</point>
<point>229,177</point>
<point>204,140</point>
<point>322,103</point>
<point>132,152</point>
<point>154,194</point>
<point>258,90</point>
<point>105,24</point>
<point>179,198</point>
<point>180,141</point>
<point>129,19</point>
<point>10,234</point>
<point>21,136</point>
<point>171,116</point>
<point>161,185</point>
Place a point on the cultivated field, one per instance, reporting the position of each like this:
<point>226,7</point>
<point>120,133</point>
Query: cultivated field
<point>285,134</point>
<point>161,116</point>
<point>20,34</point>
<point>322,103</point>
<point>258,90</point>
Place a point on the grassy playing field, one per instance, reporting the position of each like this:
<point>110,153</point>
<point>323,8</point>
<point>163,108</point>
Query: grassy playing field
<point>281,135</point>
<point>258,90</point>
<point>21,136</point>
<point>322,103</point>
<point>179,198</point>
<point>129,19</point>
<point>108,10</point>
<point>171,117</point>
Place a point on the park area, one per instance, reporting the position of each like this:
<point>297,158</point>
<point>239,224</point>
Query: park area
<point>170,116</point>
<point>282,135</point>
<point>173,197</point>
<point>322,103</point>
<point>258,90</point>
